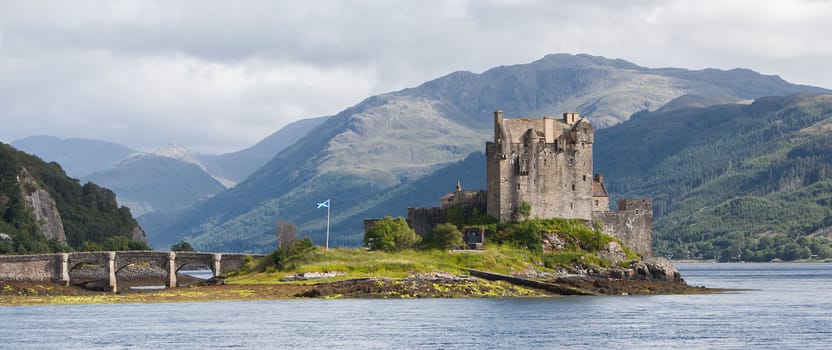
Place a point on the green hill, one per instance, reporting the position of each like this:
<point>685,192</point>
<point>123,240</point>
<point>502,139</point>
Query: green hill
<point>729,182</point>
<point>383,144</point>
<point>42,210</point>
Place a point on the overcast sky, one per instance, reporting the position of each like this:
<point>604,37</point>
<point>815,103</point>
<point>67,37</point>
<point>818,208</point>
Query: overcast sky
<point>220,76</point>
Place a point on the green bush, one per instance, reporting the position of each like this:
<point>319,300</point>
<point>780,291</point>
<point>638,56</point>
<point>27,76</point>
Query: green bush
<point>182,246</point>
<point>445,236</point>
<point>290,255</point>
<point>390,234</point>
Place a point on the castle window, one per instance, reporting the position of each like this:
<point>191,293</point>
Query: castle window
<point>518,186</point>
<point>596,203</point>
<point>570,206</point>
<point>573,187</point>
<point>584,177</point>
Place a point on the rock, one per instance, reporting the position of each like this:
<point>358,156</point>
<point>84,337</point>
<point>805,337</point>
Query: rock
<point>663,270</point>
<point>659,269</point>
<point>303,276</point>
<point>213,281</point>
<point>45,210</point>
<point>552,242</point>
<point>614,252</point>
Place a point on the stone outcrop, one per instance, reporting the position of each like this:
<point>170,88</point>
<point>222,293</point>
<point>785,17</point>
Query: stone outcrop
<point>44,209</point>
<point>649,269</point>
<point>614,252</point>
<point>304,276</point>
<point>138,234</point>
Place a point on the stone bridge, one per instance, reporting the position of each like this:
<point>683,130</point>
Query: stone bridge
<point>57,267</point>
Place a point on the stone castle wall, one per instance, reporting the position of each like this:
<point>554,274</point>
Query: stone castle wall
<point>632,224</point>
<point>423,220</point>
<point>544,162</point>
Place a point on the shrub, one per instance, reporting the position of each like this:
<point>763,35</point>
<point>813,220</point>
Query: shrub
<point>182,246</point>
<point>390,234</point>
<point>445,236</point>
<point>292,255</point>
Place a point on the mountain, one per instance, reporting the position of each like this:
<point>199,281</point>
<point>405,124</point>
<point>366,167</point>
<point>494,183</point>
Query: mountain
<point>78,157</point>
<point>729,182</point>
<point>168,179</point>
<point>364,153</point>
<point>687,101</point>
<point>236,166</point>
<point>43,210</point>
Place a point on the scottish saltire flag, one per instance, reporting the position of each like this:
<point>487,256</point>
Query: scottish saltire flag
<point>325,204</point>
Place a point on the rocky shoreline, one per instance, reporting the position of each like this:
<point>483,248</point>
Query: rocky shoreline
<point>650,276</point>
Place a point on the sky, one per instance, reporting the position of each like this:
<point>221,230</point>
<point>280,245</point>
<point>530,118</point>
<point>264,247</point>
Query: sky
<point>218,76</point>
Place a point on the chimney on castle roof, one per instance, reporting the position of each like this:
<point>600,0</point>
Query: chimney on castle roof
<point>498,122</point>
<point>549,129</point>
<point>571,117</point>
<point>599,178</point>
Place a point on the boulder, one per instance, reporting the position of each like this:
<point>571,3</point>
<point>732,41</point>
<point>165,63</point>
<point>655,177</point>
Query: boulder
<point>614,252</point>
<point>658,269</point>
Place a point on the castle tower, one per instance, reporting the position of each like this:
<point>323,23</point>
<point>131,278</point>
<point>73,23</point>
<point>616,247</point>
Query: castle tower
<point>544,162</point>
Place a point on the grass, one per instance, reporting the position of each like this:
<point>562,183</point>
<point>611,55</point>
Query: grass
<point>359,263</point>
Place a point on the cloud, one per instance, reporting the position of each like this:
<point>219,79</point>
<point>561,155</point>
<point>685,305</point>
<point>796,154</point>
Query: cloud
<point>218,76</point>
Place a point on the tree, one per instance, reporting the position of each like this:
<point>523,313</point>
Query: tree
<point>290,256</point>
<point>287,234</point>
<point>117,243</point>
<point>182,246</point>
<point>446,236</point>
<point>390,235</point>
<point>88,246</point>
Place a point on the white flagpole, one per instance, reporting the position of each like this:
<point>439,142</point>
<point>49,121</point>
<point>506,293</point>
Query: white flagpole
<point>327,222</point>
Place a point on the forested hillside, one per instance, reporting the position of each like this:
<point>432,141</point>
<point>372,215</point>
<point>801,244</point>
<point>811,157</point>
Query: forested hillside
<point>88,214</point>
<point>729,182</point>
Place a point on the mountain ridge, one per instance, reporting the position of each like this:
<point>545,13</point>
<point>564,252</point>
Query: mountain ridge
<point>369,148</point>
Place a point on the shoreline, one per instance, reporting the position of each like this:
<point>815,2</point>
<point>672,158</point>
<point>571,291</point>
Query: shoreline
<point>430,285</point>
<point>805,261</point>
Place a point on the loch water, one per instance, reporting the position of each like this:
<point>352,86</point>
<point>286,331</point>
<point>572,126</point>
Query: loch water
<point>778,306</point>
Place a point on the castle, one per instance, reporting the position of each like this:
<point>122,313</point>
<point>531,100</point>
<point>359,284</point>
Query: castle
<point>546,163</point>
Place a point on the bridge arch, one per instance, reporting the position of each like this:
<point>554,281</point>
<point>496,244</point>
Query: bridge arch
<point>57,267</point>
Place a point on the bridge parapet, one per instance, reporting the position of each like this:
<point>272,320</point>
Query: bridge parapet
<point>56,267</point>
<point>34,268</point>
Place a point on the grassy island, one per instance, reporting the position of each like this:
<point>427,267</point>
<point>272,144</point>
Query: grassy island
<point>528,259</point>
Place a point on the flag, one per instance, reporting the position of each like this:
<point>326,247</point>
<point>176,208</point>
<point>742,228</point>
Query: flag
<point>324,204</point>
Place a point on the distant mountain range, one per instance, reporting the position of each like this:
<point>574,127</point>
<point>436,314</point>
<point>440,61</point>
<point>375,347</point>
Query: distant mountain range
<point>380,155</point>
<point>236,166</point>
<point>78,157</point>
<point>167,179</point>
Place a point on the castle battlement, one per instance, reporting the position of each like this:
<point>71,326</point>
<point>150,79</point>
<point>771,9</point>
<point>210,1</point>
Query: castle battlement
<point>545,162</point>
